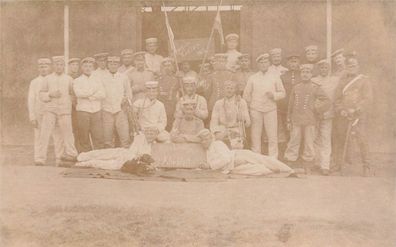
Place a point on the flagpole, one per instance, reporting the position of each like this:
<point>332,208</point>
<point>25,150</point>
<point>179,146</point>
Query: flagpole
<point>66,36</point>
<point>328,31</point>
<point>210,38</point>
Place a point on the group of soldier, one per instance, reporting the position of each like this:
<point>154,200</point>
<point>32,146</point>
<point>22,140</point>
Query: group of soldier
<point>105,100</point>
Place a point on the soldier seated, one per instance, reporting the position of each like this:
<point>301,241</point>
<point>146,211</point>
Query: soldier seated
<point>186,127</point>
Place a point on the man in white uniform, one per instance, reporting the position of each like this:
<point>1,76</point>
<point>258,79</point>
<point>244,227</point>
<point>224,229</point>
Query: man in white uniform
<point>262,91</point>
<point>153,60</point>
<point>127,61</point>
<point>276,60</point>
<point>232,42</point>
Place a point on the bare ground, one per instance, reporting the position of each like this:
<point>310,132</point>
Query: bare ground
<point>39,207</point>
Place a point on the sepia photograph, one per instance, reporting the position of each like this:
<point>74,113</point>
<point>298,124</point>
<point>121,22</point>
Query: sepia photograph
<point>208,123</point>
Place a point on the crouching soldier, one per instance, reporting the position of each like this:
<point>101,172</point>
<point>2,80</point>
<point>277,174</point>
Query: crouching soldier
<point>306,99</point>
<point>187,126</point>
<point>150,113</point>
<point>230,117</point>
<point>89,91</point>
<point>328,84</point>
<point>56,92</point>
<point>118,92</point>
<point>352,102</point>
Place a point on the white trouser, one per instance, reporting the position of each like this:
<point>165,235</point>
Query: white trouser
<point>55,137</point>
<point>270,122</point>
<point>323,142</point>
<point>293,147</point>
<point>49,122</point>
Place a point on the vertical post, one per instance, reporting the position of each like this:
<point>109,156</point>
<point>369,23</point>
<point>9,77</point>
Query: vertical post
<point>66,36</point>
<point>328,31</point>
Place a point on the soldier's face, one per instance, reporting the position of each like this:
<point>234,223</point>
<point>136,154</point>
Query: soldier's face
<point>263,65</point>
<point>311,55</point>
<point>353,66</point>
<point>189,109</point>
<point>74,67</point>
<point>139,63</point>
<point>244,63</point>
<point>189,88</point>
<point>102,64</point>
<point>113,66</point>
<point>306,74</point>
<point>87,68</point>
<point>44,69</point>
<point>232,44</point>
<point>152,47</point>
<point>206,141</point>
<point>152,92</point>
<point>324,69</point>
<point>229,89</point>
<point>185,67</point>
<point>127,60</point>
<point>293,64</point>
<point>339,60</point>
<point>168,67</point>
<point>276,59</point>
<point>59,67</point>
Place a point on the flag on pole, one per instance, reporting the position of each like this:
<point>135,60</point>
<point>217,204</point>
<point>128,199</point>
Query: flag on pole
<point>218,26</point>
<point>171,36</point>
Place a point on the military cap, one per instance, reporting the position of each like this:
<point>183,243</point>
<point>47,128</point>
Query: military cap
<point>44,61</point>
<point>126,52</point>
<point>188,101</point>
<point>275,51</point>
<point>139,54</point>
<point>262,56</point>
<point>231,36</point>
<point>151,40</point>
<point>307,66</point>
<point>74,60</point>
<point>189,80</point>
<point>88,60</point>
<point>293,56</point>
<point>337,52</point>
<point>244,55</point>
<point>58,59</point>
<point>323,61</point>
<point>167,60</point>
<point>151,83</point>
<point>204,133</point>
<point>351,54</point>
<point>100,56</point>
<point>311,48</point>
<point>113,59</point>
<point>220,56</point>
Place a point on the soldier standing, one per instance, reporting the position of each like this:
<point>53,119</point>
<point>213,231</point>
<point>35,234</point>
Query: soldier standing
<point>352,102</point>
<point>56,93</point>
<point>101,63</point>
<point>74,67</point>
<point>36,109</point>
<point>153,60</point>
<point>338,58</point>
<point>118,92</point>
<point>276,62</point>
<point>89,91</point>
<point>242,75</point>
<point>139,76</point>
<point>127,61</point>
<point>312,57</point>
<point>232,42</point>
<point>262,91</point>
<point>306,100</point>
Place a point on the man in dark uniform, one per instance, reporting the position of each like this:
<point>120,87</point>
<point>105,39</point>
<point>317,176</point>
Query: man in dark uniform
<point>243,73</point>
<point>352,101</point>
<point>169,86</point>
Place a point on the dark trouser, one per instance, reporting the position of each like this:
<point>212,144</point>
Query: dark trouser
<point>74,119</point>
<point>90,125</point>
<point>357,136</point>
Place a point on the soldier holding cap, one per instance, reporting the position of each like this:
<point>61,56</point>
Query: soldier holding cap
<point>187,126</point>
<point>276,60</point>
<point>118,92</point>
<point>169,85</point>
<point>243,73</point>
<point>153,60</point>
<point>56,92</point>
<point>230,116</point>
<point>127,61</point>
<point>36,109</point>
<point>139,75</point>
<point>353,99</point>
<point>201,107</point>
<point>328,84</point>
<point>232,42</point>
<point>262,91</point>
<point>89,91</point>
<point>217,78</point>
<point>151,114</point>
<point>338,58</point>
<point>307,100</point>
